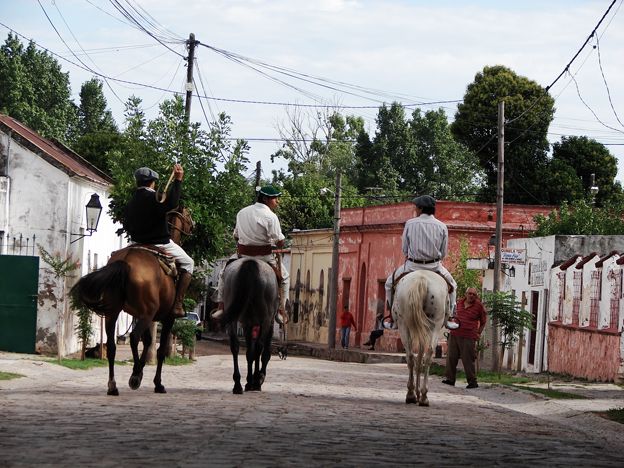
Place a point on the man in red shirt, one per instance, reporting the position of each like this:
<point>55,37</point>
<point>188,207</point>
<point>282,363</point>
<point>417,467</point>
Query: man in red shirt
<point>462,341</point>
<point>346,321</point>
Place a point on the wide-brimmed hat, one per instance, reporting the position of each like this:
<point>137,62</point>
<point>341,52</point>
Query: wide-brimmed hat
<point>424,201</point>
<point>270,191</point>
<point>145,174</point>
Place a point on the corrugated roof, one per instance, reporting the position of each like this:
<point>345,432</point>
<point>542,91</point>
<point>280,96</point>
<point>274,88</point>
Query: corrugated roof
<point>53,152</point>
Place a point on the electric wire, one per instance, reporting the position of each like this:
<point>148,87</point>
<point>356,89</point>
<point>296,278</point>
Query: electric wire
<point>605,82</point>
<point>70,49</point>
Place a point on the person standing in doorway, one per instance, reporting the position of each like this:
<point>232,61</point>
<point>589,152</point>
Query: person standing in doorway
<point>346,322</point>
<point>462,341</point>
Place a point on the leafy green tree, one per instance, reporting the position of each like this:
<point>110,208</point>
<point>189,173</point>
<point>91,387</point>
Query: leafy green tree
<point>585,156</point>
<point>214,188</point>
<point>417,155</point>
<point>529,109</point>
<point>34,90</point>
<point>464,277</point>
<point>509,315</point>
<point>581,218</point>
<point>315,148</point>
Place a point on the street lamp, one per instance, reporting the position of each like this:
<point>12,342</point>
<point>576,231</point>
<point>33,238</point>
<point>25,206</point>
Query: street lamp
<point>93,210</point>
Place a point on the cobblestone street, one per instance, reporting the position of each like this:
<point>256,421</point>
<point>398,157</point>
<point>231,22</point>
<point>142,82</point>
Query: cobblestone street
<point>310,412</point>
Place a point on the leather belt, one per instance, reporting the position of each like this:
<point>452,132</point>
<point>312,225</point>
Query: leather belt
<point>254,250</point>
<point>424,262</point>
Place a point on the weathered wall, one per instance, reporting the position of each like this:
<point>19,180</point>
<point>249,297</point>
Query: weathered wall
<point>310,267</point>
<point>600,352</point>
<point>44,201</point>
<point>371,248</point>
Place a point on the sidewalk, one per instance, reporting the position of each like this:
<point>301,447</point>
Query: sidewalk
<point>322,351</point>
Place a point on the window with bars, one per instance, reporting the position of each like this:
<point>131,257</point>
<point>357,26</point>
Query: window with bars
<point>577,285</point>
<point>594,300</point>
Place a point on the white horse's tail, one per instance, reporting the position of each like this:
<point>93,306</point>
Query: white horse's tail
<point>418,321</point>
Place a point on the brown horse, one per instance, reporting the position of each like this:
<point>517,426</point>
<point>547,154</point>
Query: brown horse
<point>133,280</point>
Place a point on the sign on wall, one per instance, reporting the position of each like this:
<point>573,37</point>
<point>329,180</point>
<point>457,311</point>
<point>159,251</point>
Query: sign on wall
<point>513,256</point>
<point>537,272</point>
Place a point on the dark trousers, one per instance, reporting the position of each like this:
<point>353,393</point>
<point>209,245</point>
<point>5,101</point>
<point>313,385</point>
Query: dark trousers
<point>466,349</point>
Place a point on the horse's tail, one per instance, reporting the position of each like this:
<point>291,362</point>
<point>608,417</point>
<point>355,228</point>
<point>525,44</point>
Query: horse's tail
<point>103,290</point>
<point>419,322</point>
<point>247,295</point>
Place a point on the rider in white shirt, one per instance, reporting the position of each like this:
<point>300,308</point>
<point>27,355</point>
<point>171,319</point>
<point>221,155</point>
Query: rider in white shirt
<point>425,245</point>
<point>257,232</point>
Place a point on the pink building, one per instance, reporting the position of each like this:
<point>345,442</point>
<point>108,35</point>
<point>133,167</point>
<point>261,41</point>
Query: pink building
<point>370,248</point>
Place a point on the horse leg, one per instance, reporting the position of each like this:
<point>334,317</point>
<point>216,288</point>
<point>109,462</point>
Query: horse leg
<point>111,350</point>
<point>165,333</point>
<point>426,362</point>
<point>234,349</point>
<point>266,357</point>
<point>421,390</point>
<point>251,338</point>
<point>140,330</point>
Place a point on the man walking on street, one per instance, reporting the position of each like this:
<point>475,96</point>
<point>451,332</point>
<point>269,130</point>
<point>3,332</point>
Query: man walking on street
<point>462,342</point>
<point>346,321</point>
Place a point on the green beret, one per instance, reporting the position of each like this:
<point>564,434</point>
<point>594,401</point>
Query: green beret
<point>270,191</point>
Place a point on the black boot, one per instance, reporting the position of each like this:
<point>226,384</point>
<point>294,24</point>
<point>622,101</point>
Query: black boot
<point>183,283</point>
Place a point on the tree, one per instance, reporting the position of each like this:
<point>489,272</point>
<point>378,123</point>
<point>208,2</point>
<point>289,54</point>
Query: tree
<point>581,218</point>
<point>316,146</point>
<point>464,277</point>
<point>510,316</point>
<point>529,109</point>
<point>35,90</point>
<point>93,115</point>
<point>583,156</point>
<point>417,155</point>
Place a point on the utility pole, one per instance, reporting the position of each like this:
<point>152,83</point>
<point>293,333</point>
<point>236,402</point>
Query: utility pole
<point>191,43</point>
<point>258,173</point>
<point>333,286</point>
<point>500,182</point>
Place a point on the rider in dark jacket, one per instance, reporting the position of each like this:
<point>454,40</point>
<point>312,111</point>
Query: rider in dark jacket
<point>145,219</point>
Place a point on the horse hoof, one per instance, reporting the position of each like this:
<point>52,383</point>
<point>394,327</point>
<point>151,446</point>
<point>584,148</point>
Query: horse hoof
<point>248,387</point>
<point>423,403</point>
<point>238,390</point>
<point>160,389</point>
<point>113,392</point>
<point>410,399</point>
<point>135,381</point>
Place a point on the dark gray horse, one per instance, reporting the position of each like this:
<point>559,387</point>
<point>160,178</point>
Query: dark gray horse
<point>250,296</point>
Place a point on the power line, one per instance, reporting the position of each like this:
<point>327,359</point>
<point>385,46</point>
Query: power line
<point>567,67</point>
<point>605,82</point>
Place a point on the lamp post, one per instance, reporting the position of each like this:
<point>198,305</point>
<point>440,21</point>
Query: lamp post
<point>93,211</point>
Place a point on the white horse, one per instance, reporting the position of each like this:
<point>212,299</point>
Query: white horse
<point>420,307</point>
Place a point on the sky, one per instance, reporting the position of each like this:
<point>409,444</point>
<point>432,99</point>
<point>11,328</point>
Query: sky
<point>414,52</point>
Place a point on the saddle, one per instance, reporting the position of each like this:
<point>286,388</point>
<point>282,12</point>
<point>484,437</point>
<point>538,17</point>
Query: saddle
<point>166,262</point>
<point>395,281</point>
<point>275,268</point>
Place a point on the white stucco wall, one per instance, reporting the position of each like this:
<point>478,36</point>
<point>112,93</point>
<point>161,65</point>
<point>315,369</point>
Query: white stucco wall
<point>45,202</point>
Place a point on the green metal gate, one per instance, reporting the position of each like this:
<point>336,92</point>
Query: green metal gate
<point>19,277</point>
